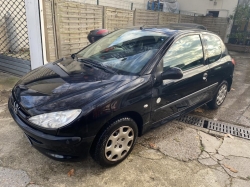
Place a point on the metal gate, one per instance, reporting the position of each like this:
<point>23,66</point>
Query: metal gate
<point>14,42</point>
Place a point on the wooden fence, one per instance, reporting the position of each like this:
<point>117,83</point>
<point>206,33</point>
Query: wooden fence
<point>166,18</point>
<point>216,25</point>
<point>50,30</point>
<point>68,23</point>
<point>117,18</point>
<point>146,17</point>
<point>186,19</point>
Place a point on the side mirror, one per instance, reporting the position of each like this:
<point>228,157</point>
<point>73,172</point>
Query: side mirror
<point>172,73</point>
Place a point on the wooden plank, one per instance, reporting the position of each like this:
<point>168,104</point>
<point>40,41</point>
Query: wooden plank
<point>143,17</point>
<point>166,18</point>
<point>117,18</point>
<point>74,22</point>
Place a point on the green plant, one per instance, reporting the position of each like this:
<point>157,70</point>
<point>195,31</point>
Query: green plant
<point>241,20</point>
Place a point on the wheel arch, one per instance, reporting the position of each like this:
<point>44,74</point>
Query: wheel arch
<point>131,114</point>
<point>229,81</point>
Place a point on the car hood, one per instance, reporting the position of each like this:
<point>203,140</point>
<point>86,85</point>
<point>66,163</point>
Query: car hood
<point>66,84</point>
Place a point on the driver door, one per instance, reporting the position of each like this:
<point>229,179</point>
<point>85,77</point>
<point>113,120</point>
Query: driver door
<point>173,97</point>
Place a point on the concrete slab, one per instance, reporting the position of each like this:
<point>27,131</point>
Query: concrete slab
<point>210,178</point>
<point>208,161</point>
<point>13,178</point>
<point>151,154</point>
<point>217,157</point>
<point>210,143</point>
<point>7,81</point>
<point>204,155</point>
<point>237,147</point>
<point>240,183</point>
<point>237,166</point>
<point>183,145</point>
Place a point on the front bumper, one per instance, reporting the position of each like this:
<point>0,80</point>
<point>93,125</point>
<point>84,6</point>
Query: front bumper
<point>59,148</point>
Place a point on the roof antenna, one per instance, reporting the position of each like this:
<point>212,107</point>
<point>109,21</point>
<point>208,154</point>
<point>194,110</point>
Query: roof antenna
<point>141,28</point>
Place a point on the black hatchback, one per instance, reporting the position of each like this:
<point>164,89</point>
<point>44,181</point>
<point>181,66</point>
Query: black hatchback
<point>102,98</point>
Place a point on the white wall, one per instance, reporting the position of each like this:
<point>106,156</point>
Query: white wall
<point>226,7</point>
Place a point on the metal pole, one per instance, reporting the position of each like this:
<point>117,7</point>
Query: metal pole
<point>132,4</point>
<point>34,33</point>
<point>97,2</point>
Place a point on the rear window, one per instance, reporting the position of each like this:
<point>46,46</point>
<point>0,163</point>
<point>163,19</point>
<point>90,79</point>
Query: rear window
<point>213,46</point>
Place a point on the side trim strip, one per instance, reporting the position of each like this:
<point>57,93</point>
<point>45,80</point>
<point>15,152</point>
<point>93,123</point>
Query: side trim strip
<point>184,98</point>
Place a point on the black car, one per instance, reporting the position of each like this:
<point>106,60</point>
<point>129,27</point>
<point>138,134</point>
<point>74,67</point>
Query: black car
<point>102,98</point>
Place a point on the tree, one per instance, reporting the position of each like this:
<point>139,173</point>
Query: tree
<point>241,19</point>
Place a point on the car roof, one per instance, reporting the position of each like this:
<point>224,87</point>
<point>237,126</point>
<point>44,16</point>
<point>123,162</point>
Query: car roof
<point>173,29</point>
<point>186,24</point>
<point>170,30</point>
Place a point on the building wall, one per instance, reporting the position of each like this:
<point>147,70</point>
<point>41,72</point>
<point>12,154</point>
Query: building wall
<point>226,7</point>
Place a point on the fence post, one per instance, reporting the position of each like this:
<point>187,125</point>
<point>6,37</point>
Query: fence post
<point>34,33</point>
<point>104,18</point>
<point>134,17</point>
<point>57,29</point>
<point>158,21</point>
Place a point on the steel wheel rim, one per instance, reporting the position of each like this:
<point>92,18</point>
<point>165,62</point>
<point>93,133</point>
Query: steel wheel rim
<point>119,143</point>
<point>221,94</point>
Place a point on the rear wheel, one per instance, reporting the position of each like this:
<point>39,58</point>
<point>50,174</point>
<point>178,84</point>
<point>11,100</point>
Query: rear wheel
<point>116,142</point>
<point>220,96</point>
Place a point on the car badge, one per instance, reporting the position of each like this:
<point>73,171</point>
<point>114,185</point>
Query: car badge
<point>15,107</point>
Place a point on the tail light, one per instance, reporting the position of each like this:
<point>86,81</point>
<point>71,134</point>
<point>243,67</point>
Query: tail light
<point>102,31</point>
<point>233,62</point>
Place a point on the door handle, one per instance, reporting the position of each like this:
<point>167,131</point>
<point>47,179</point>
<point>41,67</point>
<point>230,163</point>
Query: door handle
<point>205,76</point>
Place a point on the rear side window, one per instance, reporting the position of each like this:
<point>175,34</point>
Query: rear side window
<point>214,49</point>
<point>186,53</point>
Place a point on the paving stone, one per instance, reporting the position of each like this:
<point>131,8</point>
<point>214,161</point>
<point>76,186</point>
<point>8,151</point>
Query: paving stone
<point>210,143</point>
<point>13,178</point>
<point>210,178</point>
<point>218,156</point>
<point>151,154</point>
<point>204,155</point>
<point>235,147</point>
<point>207,161</point>
<point>184,145</point>
<point>240,183</point>
<point>247,113</point>
<point>33,185</point>
<point>240,164</point>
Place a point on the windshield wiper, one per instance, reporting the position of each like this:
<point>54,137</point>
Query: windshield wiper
<point>93,63</point>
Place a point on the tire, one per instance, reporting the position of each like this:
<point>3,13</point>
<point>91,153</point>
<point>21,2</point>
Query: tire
<point>219,97</point>
<point>113,146</point>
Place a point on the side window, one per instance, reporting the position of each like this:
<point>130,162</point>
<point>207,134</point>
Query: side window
<point>186,53</point>
<point>214,49</point>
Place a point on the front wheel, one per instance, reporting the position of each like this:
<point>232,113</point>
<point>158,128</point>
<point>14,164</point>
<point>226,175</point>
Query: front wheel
<point>219,97</point>
<point>116,142</point>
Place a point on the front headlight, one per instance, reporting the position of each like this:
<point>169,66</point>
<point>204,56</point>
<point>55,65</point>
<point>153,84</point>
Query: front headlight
<point>55,120</point>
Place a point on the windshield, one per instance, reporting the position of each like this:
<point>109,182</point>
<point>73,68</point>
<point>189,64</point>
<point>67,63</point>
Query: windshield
<point>124,51</point>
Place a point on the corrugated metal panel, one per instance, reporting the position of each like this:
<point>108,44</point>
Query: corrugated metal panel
<point>13,65</point>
